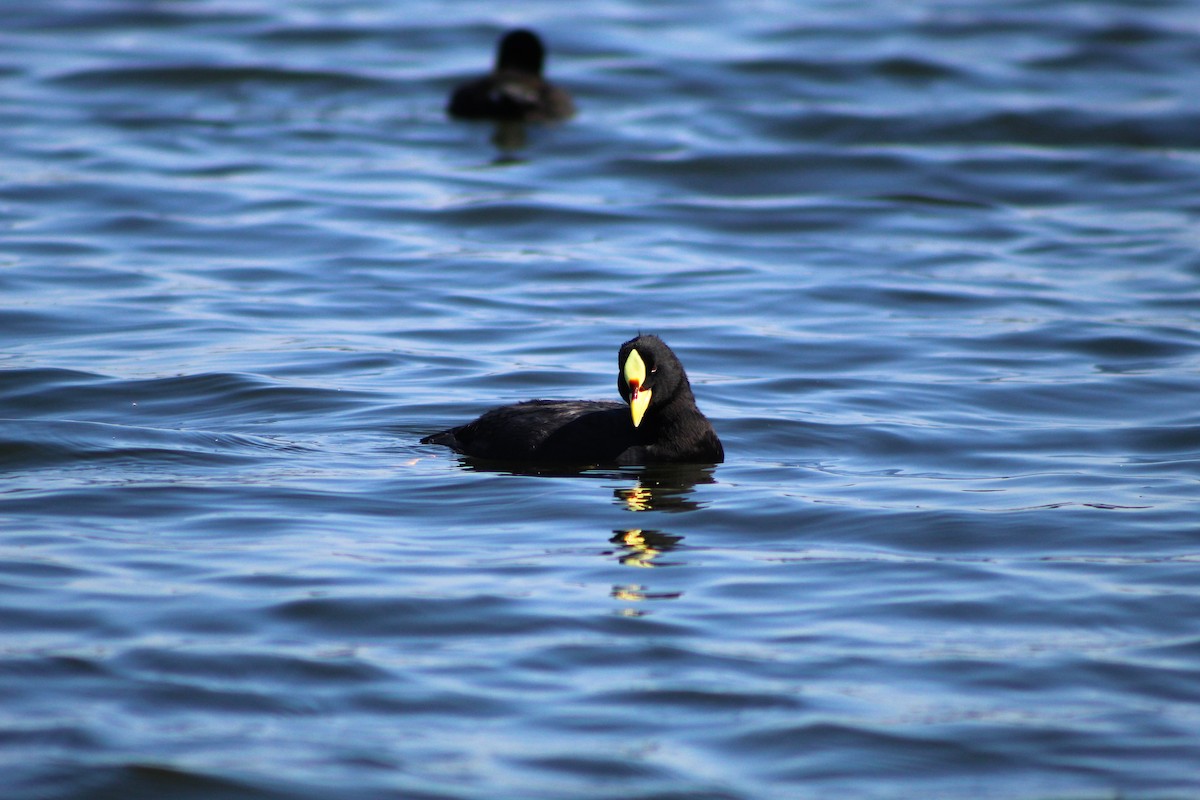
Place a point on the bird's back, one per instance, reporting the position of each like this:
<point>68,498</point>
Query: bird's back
<point>566,431</point>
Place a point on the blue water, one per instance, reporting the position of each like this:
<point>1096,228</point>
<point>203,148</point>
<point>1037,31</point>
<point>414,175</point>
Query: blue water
<point>933,270</point>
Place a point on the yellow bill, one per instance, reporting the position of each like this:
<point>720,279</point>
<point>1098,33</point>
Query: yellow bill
<point>635,379</point>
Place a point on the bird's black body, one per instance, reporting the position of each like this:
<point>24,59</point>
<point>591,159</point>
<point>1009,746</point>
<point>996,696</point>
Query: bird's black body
<point>559,431</point>
<point>515,91</point>
<point>671,429</point>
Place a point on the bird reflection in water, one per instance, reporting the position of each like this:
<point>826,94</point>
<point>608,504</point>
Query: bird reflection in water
<point>661,487</point>
<point>509,139</point>
<point>642,548</point>
<point>658,487</point>
<point>665,487</point>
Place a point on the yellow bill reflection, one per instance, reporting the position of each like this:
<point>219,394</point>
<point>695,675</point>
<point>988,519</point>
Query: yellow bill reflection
<point>643,548</point>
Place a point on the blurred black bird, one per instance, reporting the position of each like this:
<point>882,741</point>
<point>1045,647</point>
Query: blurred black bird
<point>658,423</point>
<point>515,91</point>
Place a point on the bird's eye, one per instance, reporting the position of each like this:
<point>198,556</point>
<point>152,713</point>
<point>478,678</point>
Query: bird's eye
<point>653,370</point>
